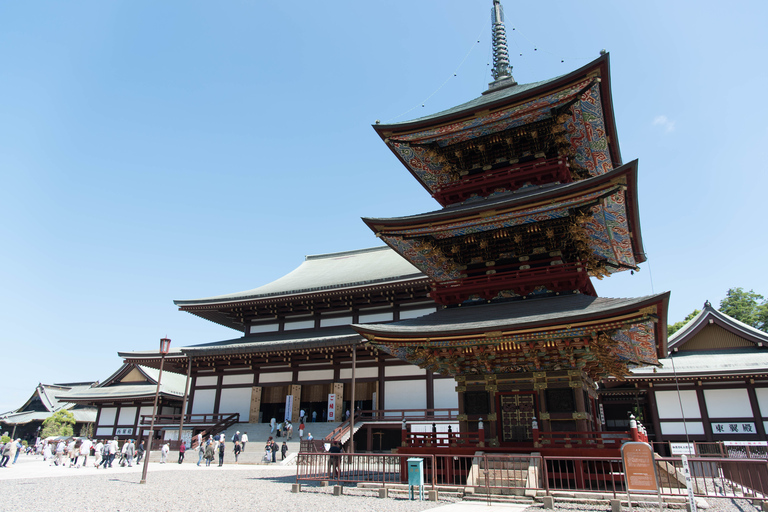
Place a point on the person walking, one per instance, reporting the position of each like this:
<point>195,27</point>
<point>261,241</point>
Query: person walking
<point>140,452</point>
<point>314,416</point>
<point>301,430</point>
<point>85,451</point>
<point>275,448</point>
<point>237,450</point>
<point>221,452</point>
<point>60,453</point>
<point>273,424</point>
<point>209,453</point>
<point>236,437</point>
<point>182,449</point>
<point>97,453</point>
<point>164,453</point>
<point>130,451</point>
<point>284,450</point>
<point>200,450</point>
<point>243,441</point>
<point>6,455</point>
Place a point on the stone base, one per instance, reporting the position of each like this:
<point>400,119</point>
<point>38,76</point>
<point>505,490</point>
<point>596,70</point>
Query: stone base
<point>338,490</point>
<point>296,488</point>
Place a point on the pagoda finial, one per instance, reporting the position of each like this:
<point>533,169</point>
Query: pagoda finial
<point>502,71</point>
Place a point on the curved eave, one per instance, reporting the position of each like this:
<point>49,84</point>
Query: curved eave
<point>601,65</point>
<point>526,199</point>
<point>193,305</point>
<point>417,332</point>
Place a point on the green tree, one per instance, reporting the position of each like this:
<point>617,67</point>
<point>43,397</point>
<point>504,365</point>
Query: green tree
<point>60,423</point>
<point>748,307</point>
<point>673,328</point>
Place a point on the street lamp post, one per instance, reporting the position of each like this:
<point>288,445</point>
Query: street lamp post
<point>165,344</point>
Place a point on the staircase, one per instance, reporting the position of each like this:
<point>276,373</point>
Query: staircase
<point>516,474</point>
<point>258,433</point>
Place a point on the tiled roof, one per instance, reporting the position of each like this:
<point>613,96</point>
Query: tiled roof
<point>515,314</point>
<point>489,98</point>
<point>726,361</point>
<point>340,270</point>
<point>711,315</point>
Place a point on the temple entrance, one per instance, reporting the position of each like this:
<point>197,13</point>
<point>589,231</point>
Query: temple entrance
<point>516,414</point>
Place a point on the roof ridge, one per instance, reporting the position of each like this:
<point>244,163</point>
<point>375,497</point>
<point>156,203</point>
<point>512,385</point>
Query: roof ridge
<point>345,253</point>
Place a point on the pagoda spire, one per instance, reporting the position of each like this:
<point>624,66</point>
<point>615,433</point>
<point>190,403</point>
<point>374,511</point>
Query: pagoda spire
<point>502,71</point>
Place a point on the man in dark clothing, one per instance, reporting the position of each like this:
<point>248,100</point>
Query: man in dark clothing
<point>221,453</point>
<point>334,461</point>
<point>275,448</point>
<point>182,449</point>
<point>140,452</point>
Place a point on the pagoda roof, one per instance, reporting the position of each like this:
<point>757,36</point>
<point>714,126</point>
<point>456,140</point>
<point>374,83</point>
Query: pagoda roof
<point>513,315</point>
<point>537,333</point>
<point>614,230</point>
<point>593,137</point>
<point>337,272</point>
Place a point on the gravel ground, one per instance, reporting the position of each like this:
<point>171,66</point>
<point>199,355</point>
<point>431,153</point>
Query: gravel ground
<point>175,488</point>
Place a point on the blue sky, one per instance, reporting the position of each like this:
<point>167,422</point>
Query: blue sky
<point>152,151</point>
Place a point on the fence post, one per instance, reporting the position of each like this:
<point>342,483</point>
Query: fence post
<point>404,434</point>
<point>633,428</point>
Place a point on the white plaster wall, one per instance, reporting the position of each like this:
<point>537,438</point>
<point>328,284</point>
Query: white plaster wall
<point>330,322</point>
<point>285,377</point>
<point>677,428</point>
<point>304,324</point>
<point>210,380</point>
<point>416,313</point>
<point>237,379</point>
<point>377,317</point>
<point>360,373</point>
<point>668,404</point>
<point>316,375</point>
<point>127,416</point>
<point>203,402</point>
<point>762,400</point>
<point>405,394</point>
<point>264,328</point>
<point>104,431</point>
<point>403,370</point>
<point>446,396</point>
<point>727,403</point>
<point>236,400</point>
<point>107,416</point>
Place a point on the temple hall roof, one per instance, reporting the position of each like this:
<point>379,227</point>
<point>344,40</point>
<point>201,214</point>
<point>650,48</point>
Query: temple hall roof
<point>172,384</point>
<point>324,272</point>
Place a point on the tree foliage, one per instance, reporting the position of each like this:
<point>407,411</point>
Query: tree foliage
<point>673,328</point>
<point>60,423</point>
<point>748,307</point>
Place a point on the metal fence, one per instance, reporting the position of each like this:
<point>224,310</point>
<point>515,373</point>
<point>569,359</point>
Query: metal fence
<point>519,474</point>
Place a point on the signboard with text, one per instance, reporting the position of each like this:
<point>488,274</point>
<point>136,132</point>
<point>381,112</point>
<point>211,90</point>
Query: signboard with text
<point>639,467</point>
<point>332,407</point>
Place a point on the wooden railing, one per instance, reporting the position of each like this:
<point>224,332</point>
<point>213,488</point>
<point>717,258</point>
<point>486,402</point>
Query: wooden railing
<point>581,439</point>
<point>213,423</point>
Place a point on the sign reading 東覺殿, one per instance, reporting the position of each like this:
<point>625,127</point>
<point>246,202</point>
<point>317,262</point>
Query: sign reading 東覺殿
<point>734,427</point>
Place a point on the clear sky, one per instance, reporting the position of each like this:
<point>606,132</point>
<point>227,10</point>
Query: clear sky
<point>152,151</point>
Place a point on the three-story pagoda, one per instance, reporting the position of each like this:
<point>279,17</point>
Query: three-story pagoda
<point>535,201</point>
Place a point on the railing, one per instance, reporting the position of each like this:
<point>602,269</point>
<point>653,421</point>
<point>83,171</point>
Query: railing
<point>710,477</point>
<point>394,416</point>
<point>443,439</point>
<point>581,439</point>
